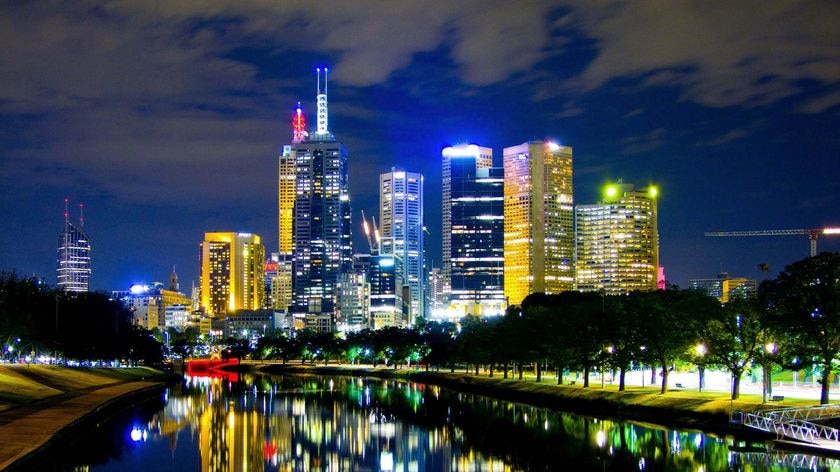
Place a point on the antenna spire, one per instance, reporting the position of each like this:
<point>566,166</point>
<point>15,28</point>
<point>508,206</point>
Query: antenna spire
<point>82,215</point>
<point>322,104</point>
<point>66,211</point>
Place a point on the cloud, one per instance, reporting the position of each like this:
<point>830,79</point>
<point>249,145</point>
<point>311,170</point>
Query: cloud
<point>720,53</point>
<point>644,143</point>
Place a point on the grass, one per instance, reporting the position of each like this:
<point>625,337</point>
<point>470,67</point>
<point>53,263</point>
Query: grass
<point>23,384</point>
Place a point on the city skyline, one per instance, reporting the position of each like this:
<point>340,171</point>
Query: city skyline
<point>167,122</point>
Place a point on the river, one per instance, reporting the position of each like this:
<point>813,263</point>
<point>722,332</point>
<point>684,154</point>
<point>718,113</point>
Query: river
<point>322,423</point>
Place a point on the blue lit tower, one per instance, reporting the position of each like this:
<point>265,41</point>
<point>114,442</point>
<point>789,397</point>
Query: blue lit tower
<point>401,218</point>
<point>73,268</point>
<point>473,231</point>
<point>321,247</point>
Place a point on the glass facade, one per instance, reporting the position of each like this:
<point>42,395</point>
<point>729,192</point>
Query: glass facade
<point>73,270</point>
<point>321,227</point>
<point>473,205</point>
<point>401,220</point>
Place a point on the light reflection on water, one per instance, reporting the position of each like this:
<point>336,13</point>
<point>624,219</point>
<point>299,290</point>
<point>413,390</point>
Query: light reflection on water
<point>303,423</point>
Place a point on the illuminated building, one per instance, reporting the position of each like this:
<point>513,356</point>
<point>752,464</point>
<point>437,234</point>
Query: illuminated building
<point>473,231</point>
<point>232,272</point>
<point>286,199</point>
<point>353,301</point>
<point>278,281</point>
<point>618,241</point>
<point>321,243</point>
<point>150,305</point>
<point>724,287</point>
<point>73,268</point>
<point>539,220</point>
<point>401,218</point>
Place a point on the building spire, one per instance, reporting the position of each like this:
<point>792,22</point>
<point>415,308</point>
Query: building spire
<point>81,215</point>
<point>298,125</point>
<point>66,211</point>
<point>321,100</point>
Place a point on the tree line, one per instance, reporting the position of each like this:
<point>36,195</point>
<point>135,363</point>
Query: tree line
<point>793,323</point>
<point>38,320</point>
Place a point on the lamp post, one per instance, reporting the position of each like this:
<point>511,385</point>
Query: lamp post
<point>701,350</point>
<point>769,350</point>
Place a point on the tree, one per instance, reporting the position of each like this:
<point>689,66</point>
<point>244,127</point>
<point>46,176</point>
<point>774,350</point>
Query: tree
<point>733,338</point>
<point>666,318</point>
<point>805,301</point>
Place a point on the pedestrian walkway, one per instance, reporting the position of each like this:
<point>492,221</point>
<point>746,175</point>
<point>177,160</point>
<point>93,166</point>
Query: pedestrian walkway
<point>26,429</point>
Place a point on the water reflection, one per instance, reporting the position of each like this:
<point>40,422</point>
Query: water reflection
<point>303,423</point>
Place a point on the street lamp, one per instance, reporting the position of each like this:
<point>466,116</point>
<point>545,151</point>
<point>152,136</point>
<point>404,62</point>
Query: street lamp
<point>767,387</point>
<point>701,350</point>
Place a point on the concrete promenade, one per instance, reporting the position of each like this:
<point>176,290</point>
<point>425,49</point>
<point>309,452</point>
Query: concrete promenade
<point>27,429</point>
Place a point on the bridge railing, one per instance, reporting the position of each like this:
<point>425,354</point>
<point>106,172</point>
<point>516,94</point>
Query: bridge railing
<point>791,428</point>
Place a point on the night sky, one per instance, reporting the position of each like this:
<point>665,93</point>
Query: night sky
<point>166,117</point>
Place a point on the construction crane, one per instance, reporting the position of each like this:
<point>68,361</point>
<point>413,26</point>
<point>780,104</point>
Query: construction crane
<point>374,247</point>
<point>812,234</point>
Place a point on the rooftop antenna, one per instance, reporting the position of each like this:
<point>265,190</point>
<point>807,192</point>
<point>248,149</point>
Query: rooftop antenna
<point>298,125</point>
<point>82,215</point>
<point>66,211</point>
<point>322,103</point>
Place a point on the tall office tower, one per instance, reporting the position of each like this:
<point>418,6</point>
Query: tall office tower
<point>437,296</point>
<point>724,287</point>
<point>321,237</point>
<point>73,268</point>
<point>401,223</point>
<point>618,241</point>
<point>232,273</point>
<point>539,220</point>
<point>473,231</point>
<point>286,199</point>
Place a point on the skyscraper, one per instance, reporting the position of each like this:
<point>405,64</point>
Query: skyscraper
<point>539,220</point>
<point>618,241</point>
<point>401,219</point>
<point>321,237</point>
<point>73,268</point>
<point>232,273</point>
<point>473,231</point>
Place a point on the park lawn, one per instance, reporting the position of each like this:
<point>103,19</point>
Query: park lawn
<point>16,388</point>
<point>22,384</point>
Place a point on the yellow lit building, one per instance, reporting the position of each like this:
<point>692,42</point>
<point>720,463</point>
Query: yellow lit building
<point>286,199</point>
<point>232,273</point>
<point>618,241</point>
<point>539,220</point>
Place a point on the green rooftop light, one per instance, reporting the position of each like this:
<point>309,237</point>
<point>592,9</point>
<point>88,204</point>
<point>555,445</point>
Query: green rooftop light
<point>653,191</point>
<point>611,191</point>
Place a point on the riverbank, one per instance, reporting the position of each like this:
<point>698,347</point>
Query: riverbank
<point>710,411</point>
<point>39,404</point>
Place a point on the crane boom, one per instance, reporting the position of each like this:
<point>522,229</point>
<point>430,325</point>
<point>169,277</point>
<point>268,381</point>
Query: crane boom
<point>812,234</point>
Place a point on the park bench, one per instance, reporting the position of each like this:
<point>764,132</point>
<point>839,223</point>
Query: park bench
<point>678,385</point>
<point>778,398</point>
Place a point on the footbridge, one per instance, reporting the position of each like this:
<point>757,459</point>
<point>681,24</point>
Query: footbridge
<point>798,424</point>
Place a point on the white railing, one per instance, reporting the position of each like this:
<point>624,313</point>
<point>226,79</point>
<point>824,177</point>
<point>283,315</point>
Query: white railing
<point>791,425</point>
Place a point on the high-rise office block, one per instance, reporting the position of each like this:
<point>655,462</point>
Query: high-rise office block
<point>539,220</point>
<point>321,234</point>
<point>286,199</point>
<point>473,231</point>
<point>724,287</point>
<point>232,273</point>
<point>73,269</point>
<point>401,223</point>
<point>618,241</point>
<point>278,273</point>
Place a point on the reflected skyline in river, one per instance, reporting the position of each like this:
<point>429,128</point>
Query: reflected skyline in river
<point>318,423</point>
